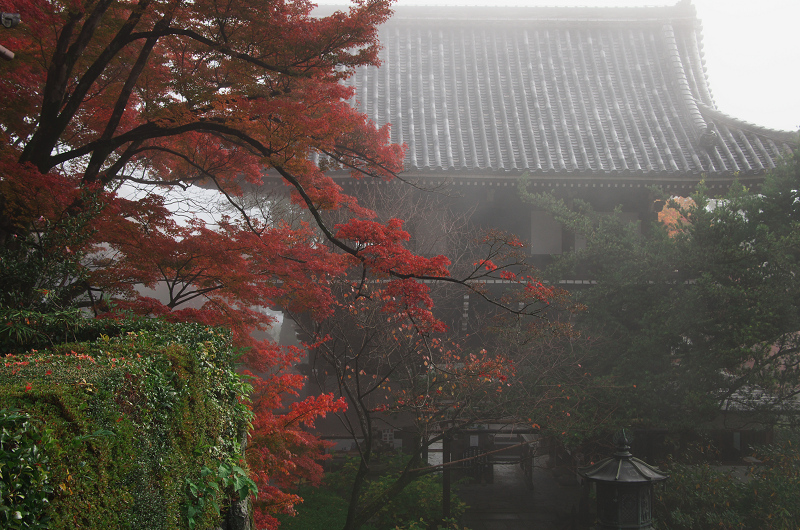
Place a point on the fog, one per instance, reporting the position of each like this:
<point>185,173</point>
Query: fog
<point>751,52</point>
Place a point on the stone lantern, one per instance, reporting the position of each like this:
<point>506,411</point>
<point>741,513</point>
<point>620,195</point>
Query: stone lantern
<point>624,488</point>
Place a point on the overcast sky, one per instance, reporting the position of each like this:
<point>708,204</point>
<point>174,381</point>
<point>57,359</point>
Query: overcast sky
<point>752,52</point>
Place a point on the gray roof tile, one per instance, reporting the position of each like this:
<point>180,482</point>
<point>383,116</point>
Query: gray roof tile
<point>557,90</point>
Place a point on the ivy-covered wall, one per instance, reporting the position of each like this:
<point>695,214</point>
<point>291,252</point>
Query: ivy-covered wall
<point>137,426</point>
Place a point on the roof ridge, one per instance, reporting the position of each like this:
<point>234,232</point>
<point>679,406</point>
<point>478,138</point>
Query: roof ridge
<point>681,10</point>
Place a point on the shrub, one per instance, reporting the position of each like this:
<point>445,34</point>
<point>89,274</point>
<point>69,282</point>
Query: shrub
<point>419,501</point>
<point>134,417</point>
<point>24,479</point>
<point>416,506</point>
<point>699,497</point>
<point>323,508</point>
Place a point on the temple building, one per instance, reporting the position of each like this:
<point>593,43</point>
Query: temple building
<point>606,105</point>
<point>597,103</point>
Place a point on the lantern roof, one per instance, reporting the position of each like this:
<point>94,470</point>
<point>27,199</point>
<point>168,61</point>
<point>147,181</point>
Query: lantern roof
<point>622,466</point>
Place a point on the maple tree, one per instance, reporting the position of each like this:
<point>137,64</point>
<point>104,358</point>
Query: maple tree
<point>109,105</point>
<point>107,93</point>
<point>402,370</point>
<point>394,375</point>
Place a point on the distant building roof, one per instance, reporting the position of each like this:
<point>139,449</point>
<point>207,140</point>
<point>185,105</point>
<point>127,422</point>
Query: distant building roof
<point>556,91</point>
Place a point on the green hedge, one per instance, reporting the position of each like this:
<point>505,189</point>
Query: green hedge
<point>138,428</point>
<point>766,496</point>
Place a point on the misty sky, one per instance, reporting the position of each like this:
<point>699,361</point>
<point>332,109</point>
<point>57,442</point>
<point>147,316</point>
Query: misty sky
<point>752,52</point>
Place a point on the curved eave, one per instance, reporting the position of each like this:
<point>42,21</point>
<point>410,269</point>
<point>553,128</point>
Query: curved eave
<point>789,138</point>
<point>629,470</point>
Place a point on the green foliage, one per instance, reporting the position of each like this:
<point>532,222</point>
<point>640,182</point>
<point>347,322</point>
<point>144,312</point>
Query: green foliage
<point>693,316</point>
<point>700,497</point>
<point>421,500</point>
<point>22,329</point>
<point>323,508</point>
<point>24,479</point>
<point>418,505</point>
<point>40,270</point>
<point>132,414</point>
<point>228,476</point>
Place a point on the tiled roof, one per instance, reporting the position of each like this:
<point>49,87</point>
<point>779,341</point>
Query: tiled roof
<point>557,91</point>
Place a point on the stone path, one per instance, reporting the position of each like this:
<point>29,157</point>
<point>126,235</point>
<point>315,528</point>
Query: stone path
<point>508,504</point>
